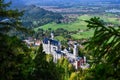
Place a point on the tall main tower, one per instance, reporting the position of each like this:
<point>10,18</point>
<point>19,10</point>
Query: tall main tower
<point>52,35</point>
<point>75,50</point>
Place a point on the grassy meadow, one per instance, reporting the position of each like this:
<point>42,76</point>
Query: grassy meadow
<point>80,24</point>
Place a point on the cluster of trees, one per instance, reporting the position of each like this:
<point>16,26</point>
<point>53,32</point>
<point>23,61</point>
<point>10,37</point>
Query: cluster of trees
<point>14,55</point>
<point>58,32</point>
<point>18,64</point>
<point>105,48</point>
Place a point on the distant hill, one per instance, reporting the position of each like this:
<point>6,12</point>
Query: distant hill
<point>36,16</point>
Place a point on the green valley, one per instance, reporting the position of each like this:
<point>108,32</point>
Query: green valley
<point>79,27</point>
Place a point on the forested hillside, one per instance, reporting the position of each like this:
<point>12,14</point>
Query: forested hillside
<point>36,16</point>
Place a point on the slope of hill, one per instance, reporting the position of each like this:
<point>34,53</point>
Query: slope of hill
<point>34,16</point>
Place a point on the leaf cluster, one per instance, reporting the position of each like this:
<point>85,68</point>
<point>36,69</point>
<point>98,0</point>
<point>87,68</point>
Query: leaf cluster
<point>105,48</point>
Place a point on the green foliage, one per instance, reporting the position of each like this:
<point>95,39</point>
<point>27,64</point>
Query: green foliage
<point>105,47</point>
<point>45,69</point>
<point>64,68</point>
<point>16,63</point>
<point>73,76</point>
<point>49,58</point>
<point>14,58</point>
<point>10,20</point>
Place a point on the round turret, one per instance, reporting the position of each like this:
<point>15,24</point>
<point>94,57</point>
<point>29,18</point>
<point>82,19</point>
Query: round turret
<point>75,50</point>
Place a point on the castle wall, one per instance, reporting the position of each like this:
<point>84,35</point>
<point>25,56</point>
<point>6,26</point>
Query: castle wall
<point>75,50</point>
<point>51,49</point>
<point>46,48</point>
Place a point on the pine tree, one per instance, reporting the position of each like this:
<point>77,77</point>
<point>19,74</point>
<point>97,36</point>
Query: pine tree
<point>105,48</point>
<point>14,56</point>
<point>44,69</point>
<point>10,19</point>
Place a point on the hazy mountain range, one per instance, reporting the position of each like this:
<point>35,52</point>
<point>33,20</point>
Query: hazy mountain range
<point>58,2</point>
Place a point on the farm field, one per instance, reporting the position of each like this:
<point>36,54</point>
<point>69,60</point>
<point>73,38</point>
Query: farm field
<point>70,27</point>
<point>80,24</point>
<point>83,35</point>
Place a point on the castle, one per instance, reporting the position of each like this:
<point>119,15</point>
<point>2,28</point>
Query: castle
<point>53,47</point>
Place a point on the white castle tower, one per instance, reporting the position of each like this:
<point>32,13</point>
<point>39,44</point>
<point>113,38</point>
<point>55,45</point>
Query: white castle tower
<point>75,50</point>
<point>84,60</point>
<point>59,47</point>
<point>49,47</point>
<point>52,35</point>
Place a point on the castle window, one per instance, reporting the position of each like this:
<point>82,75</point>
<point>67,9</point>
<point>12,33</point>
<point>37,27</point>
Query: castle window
<point>54,48</point>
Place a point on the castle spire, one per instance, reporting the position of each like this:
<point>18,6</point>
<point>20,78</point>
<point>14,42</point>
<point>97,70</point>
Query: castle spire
<point>52,35</point>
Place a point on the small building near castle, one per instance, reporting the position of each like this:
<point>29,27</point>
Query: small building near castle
<point>53,47</point>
